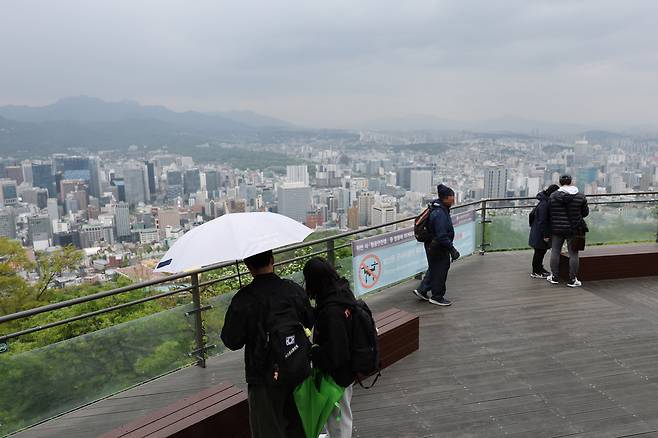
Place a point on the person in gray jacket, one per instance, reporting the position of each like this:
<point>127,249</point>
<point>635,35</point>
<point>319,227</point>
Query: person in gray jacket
<point>567,208</point>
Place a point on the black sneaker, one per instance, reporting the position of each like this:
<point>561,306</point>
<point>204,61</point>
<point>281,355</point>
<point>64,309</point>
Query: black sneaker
<point>574,282</point>
<point>440,301</point>
<point>545,273</point>
<point>536,275</point>
<point>421,295</point>
<point>551,279</point>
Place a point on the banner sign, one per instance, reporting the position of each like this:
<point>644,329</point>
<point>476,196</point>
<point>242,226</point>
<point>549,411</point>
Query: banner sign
<point>387,258</point>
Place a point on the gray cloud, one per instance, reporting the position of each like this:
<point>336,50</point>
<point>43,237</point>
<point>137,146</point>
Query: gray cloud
<point>334,63</point>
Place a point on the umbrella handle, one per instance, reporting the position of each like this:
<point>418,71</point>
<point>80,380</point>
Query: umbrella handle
<point>237,270</point>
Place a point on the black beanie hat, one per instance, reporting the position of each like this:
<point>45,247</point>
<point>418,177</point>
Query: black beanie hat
<point>444,191</point>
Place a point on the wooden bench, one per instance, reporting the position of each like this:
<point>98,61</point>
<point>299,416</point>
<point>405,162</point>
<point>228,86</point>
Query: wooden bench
<point>618,261</point>
<point>398,335</point>
<point>218,411</point>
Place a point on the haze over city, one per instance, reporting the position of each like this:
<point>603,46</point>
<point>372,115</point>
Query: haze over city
<point>343,64</point>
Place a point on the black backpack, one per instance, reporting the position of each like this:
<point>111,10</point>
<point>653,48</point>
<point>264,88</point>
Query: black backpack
<point>364,346</point>
<point>422,229</point>
<point>284,347</point>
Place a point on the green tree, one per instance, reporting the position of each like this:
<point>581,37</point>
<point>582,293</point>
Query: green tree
<point>52,264</point>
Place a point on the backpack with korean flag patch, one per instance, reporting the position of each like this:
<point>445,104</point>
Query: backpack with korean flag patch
<point>284,346</point>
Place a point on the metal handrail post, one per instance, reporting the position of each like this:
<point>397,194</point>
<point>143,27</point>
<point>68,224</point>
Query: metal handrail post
<point>483,244</point>
<point>198,322</point>
<point>331,253</point>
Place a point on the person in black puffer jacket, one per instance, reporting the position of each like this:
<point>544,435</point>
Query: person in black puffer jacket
<point>567,209</point>
<point>330,353</point>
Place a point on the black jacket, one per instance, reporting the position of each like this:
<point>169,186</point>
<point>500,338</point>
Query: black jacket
<point>541,226</point>
<point>244,312</point>
<point>333,333</point>
<point>567,211</point>
<point>443,233</point>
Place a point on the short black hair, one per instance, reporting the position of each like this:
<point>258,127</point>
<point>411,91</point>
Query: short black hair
<point>260,260</point>
<point>565,180</point>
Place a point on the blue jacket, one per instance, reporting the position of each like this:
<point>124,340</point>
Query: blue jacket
<point>541,226</point>
<point>443,232</point>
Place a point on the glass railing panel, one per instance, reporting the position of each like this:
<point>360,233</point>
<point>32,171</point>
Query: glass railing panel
<point>622,223</point>
<point>48,381</point>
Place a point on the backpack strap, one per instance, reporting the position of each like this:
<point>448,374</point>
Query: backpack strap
<point>360,382</point>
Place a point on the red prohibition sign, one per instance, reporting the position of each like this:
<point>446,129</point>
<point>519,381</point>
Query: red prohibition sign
<point>370,269</point>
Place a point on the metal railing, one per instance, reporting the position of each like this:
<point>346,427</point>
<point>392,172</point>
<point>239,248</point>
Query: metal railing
<point>330,247</point>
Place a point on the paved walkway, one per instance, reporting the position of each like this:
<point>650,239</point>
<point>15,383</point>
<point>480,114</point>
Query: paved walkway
<point>513,357</point>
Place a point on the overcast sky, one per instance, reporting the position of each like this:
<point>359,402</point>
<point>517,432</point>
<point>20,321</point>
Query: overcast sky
<point>333,62</point>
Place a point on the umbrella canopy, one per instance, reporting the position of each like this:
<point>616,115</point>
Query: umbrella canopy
<point>316,399</point>
<point>231,237</point>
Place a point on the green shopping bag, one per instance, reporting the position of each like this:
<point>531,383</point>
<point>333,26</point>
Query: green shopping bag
<point>316,398</point>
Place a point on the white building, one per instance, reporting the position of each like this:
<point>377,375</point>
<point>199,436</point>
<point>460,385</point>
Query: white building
<point>297,174</point>
<point>421,181</point>
<point>294,200</point>
<point>382,214</point>
<point>495,182</point>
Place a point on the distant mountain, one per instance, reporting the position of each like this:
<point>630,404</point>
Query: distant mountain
<point>525,126</point>
<point>255,120</point>
<point>413,122</point>
<point>93,123</point>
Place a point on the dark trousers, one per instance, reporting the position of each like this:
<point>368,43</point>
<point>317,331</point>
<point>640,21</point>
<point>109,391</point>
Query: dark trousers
<point>272,412</point>
<point>437,273</point>
<point>538,261</point>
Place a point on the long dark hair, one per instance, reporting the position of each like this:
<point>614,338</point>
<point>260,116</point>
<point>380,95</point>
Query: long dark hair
<point>321,279</point>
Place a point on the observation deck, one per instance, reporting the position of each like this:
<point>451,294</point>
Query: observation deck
<point>513,356</point>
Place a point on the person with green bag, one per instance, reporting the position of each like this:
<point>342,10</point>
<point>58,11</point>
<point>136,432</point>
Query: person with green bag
<point>317,399</point>
<point>331,352</point>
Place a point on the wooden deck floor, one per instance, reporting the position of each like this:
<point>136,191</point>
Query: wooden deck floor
<point>513,357</point>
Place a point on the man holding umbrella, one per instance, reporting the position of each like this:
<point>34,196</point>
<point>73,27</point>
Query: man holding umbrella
<point>269,317</point>
<point>272,410</point>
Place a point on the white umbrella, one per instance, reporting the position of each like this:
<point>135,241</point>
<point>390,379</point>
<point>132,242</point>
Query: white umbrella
<point>231,237</point>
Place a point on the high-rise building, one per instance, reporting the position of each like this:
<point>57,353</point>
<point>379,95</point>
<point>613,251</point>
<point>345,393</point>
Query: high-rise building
<point>152,179</point>
<point>43,176</point>
<point>294,200</point>
<point>53,209</point>
<point>7,223</point>
<point>365,202</point>
<point>495,182</point>
<point>174,184</point>
<point>353,218</point>
<point>297,174</point>
<point>382,214</point>
<point>8,192</point>
<point>135,180</point>
<point>212,183</point>
<point>421,181</point>
<point>15,173</point>
<point>403,177</point>
<point>122,220</point>
<point>39,231</point>
<point>191,181</point>
<point>94,177</point>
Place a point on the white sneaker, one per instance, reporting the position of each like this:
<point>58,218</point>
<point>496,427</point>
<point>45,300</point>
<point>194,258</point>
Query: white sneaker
<point>551,280</point>
<point>574,283</point>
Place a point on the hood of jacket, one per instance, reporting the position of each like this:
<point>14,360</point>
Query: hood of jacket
<point>571,190</point>
<point>438,204</point>
<point>541,196</point>
<point>342,295</point>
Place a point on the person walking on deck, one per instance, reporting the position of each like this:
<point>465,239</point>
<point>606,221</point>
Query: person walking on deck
<point>567,208</point>
<point>540,232</point>
<point>440,251</point>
